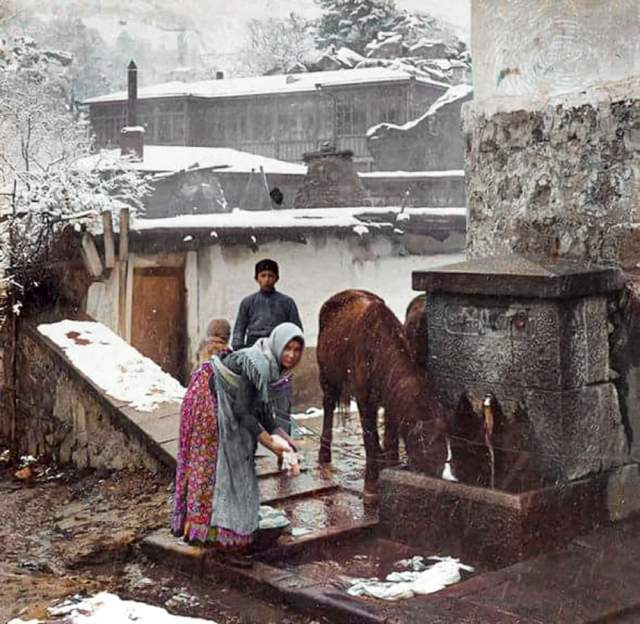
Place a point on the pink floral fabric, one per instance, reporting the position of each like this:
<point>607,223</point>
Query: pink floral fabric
<point>196,468</point>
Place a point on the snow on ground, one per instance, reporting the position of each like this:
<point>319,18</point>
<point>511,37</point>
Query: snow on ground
<point>304,218</point>
<point>170,158</point>
<point>113,365</point>
<point>106,608</point>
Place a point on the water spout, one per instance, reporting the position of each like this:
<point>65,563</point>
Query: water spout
<point>488,414</point>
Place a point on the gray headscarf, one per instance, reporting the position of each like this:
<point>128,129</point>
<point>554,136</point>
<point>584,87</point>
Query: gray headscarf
<point>261,363</point>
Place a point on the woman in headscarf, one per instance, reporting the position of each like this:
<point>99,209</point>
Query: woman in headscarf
<point>232,403</point>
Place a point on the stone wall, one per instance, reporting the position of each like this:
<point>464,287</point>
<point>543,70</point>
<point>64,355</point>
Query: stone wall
<point>62,415</point>
<point>563,180</point>
<point>526,52</point>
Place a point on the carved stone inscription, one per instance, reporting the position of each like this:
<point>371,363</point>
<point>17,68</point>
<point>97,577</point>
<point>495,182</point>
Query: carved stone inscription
<point>486,321</point>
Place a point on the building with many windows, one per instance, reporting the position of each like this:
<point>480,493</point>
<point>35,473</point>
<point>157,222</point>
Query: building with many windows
<point>281,116</point>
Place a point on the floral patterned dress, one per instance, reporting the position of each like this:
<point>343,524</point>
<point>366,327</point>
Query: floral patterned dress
<point>196,469</point>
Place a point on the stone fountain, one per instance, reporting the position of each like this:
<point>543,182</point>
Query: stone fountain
<point>520,351</point>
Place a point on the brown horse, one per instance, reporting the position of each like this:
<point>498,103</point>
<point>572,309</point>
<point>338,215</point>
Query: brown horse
<point>362,348</point>
<point>415,325</point>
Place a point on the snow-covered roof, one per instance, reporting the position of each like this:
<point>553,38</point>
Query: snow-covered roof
<point>452,173</point>
<point>453,94</point>
<point>303,219</point>
<point>270,85</point>
<point>171,158</point>
<point>113,365</point>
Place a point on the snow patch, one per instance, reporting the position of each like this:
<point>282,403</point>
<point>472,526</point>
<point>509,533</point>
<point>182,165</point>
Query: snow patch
<point>113,365</point>
<point>106,608</point>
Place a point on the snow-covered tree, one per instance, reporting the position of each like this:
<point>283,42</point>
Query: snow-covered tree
<point>353,23</point>
<point>90,73</point>
<point>276,44</point>
<point>44,144</point>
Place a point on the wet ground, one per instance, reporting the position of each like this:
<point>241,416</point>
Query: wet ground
<point>64,532</point>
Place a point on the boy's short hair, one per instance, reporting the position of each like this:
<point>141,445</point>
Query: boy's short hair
<point>267,265</point>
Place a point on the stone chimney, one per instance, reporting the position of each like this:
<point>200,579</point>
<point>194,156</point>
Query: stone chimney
<point>132,142</point>
<point>331,181</point>
<point>132,135</point>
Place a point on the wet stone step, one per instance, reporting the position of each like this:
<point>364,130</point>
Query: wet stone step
<point>281,487</point>
<point>267,466</point>
<point>319,522</point>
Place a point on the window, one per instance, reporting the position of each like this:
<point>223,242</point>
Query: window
<point>171,122</point>
<point>351,119</point>
<point>390,111</point>
<point>262,120</point>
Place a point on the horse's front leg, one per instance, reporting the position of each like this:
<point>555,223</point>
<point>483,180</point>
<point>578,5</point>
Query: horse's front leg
<point>329,404</point>
<point>368,419</point>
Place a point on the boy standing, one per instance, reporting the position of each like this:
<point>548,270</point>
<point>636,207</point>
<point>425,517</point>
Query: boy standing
<point>261,312</point>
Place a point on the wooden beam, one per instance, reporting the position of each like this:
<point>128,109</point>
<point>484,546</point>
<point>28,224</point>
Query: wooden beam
<point>266,187</point>
<point>124,235</point>
<point>91,257</point>
<point>109,246</point>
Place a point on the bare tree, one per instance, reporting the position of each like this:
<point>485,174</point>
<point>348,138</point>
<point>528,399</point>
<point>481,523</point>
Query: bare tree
<point>276,44</point>
<point>43,163</point>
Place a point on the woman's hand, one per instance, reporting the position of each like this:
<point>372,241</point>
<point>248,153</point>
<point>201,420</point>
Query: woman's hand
<point>274,443</point>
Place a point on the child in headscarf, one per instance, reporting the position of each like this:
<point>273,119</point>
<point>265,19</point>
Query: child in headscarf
<point>235,399</point>
<point>216,341</point>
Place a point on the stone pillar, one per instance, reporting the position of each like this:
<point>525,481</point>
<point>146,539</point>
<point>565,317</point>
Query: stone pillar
<point>331,182</point>
<point>532,337</point>
<point>553,132</point>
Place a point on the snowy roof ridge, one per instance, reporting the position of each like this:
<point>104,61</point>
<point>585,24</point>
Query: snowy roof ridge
<point>173,158</point>
<point>293,219</point>
<point>265,85</point>
<point>453,94</point>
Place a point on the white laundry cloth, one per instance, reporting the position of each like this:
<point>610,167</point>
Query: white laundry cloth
<point>420,579</point>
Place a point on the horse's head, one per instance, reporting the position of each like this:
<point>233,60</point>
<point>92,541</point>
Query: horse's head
<point>425,438</point>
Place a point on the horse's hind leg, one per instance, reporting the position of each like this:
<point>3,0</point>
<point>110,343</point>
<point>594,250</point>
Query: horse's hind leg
<point>330,399</point>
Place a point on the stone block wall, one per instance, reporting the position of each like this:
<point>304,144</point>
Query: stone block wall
<point>60,414</point>
<point>560,181</point>
<point>547,362</point>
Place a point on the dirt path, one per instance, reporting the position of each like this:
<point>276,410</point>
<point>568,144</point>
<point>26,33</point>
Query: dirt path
<point>64,533</point>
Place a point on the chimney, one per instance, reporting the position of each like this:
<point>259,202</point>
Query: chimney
<point>219,75</point>
<point>132,135</point>
<point>132,94</point>
<point>132,142</point>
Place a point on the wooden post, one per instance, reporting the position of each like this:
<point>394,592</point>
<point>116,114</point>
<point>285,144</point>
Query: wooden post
<point>124,235</point>
<point>13,361</point>
<point>91,257</point>
<point>109,246</point>
<point>123,269</point>
<point>266,186</point>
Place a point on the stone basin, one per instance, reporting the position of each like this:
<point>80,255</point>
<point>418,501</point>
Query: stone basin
<point>491,528</point>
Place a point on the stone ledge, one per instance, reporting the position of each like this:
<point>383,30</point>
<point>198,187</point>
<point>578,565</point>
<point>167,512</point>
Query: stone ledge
<point>517,276</point>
